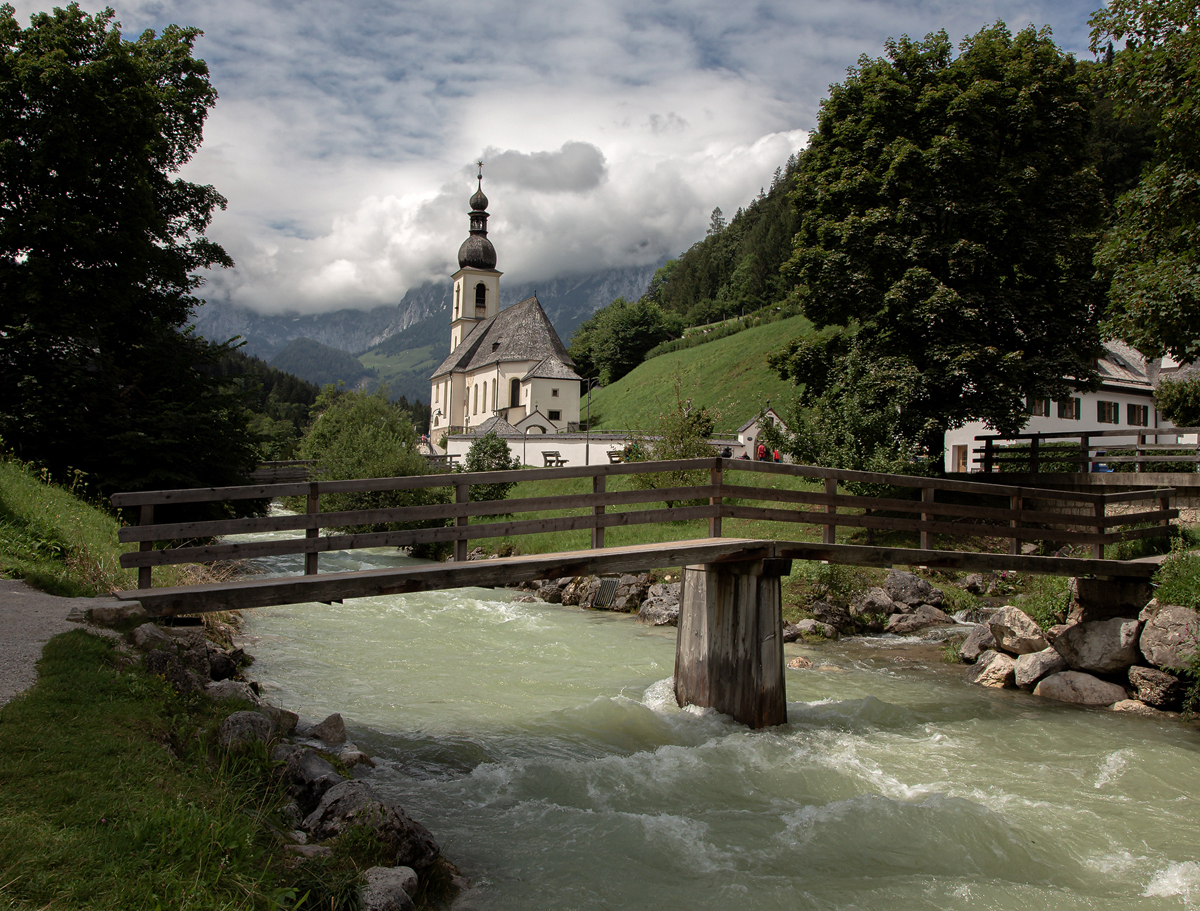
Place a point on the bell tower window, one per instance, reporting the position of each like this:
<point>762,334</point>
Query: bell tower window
<point>480,298</point>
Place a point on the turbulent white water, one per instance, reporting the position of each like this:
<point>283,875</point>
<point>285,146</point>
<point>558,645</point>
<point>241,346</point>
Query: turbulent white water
<point>543,747</point>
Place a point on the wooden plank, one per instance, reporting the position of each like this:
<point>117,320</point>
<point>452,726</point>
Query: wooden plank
<point>598,484</point>
<point>1069,434</point>
<point>462,494</point>
<point>438,576</point>
<point>856,555</point>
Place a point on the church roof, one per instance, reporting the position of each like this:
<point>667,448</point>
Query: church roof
<point>551,368</point>
<point>495,424</point>
<point>521,332</point>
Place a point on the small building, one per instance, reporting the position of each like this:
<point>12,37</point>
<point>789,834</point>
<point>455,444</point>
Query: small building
<point>749,432</point>
<point>506,363</point>
<point>1125,399</point>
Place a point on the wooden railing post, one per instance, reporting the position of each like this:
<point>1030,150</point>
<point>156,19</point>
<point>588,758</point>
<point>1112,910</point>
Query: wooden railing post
<point>1015,504</point>
<point>462,494</point>
<point>314,507</point>
<point>1033,454</point>
<point>1085,453</point>
<point>927,494</point>
<point>1098,547</point>
<point>1139,452</point>
<point>988,456</point>
<point>1165,504</point>
<point>714,523</point>
<point>598,484</point>
<point>829,534</point>
<point>146,518</point>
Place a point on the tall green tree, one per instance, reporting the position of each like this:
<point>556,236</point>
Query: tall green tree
<point>1151,257</point>
<point>948,216</point>
<point>100,246</point>
<point>615,339</point>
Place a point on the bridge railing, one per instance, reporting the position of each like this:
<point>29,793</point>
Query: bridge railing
<point>1087,451</point>
<point>1031,514</point>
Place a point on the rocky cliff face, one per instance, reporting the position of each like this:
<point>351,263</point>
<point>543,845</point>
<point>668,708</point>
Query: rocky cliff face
<point>568,301</point>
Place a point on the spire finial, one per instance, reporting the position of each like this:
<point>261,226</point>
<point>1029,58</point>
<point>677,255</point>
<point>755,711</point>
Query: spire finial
<point>480,163</point>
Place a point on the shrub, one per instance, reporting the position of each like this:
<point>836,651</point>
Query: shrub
<point>490,453</point>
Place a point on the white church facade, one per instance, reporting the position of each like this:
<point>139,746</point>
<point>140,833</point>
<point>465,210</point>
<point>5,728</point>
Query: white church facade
<point>506,367</point>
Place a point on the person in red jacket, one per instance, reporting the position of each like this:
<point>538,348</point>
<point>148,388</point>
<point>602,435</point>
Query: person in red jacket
<point>762,452</point>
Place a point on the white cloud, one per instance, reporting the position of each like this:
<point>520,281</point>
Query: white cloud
<point>345,131</point>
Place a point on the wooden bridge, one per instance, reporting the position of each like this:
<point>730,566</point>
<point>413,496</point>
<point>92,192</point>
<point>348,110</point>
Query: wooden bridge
<point>729,653</point>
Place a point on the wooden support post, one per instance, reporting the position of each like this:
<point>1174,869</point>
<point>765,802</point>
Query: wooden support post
<point>714,524</point>
<point>314,507</point>
<point>989,455</point>
<point>1098,547</point>
<point>1014,544</point>
<point>1139,452</point>
<point>729,650</point>
<point>462,494</point>
<point>927,494</point>
<point>1033,455</point>
<point>829,533</point>
<point>598,530</point>
<point>1085,453</point>
<point>146,518</point>
<point>1164,504</point>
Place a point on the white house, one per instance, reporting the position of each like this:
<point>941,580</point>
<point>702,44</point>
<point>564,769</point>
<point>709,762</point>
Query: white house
<point>1125,399</point>
<point>506,363</point>
<point>749,432</point>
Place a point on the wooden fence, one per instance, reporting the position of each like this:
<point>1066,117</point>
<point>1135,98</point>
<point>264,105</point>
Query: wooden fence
<point>1088,451</point>
<point>939,507</point>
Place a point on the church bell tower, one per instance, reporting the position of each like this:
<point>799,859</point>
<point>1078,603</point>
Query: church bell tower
<point>476,283</point>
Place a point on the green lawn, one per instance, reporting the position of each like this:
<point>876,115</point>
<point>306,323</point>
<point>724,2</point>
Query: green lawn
<point>729,377</point>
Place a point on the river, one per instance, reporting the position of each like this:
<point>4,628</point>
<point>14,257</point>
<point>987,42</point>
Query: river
<point>542,746</point>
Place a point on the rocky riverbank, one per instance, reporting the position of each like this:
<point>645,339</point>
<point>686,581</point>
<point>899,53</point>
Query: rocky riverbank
<point>315,765</point>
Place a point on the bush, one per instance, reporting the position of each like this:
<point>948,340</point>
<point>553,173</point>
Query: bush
<point>490,453</point>
<point>684,431</point>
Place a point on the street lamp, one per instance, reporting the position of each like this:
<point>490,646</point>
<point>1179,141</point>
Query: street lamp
<point>587,444</point>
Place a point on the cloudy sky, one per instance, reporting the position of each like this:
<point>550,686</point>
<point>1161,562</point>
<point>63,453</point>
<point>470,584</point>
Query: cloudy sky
<point>346,130</point>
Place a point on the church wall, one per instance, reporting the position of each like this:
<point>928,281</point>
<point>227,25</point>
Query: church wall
<point>566,402</point>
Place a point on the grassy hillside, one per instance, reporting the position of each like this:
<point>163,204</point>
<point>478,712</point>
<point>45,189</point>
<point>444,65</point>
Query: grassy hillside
<point>729,376</point>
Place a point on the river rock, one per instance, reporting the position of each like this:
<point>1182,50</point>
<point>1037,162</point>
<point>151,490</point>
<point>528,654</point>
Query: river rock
<point>1033,666</point>
<point>1169,636</point>
<point>574,589</point>
<point>150,635</point>
<point>331,730</point>
<point>550,592</point>
<point>994,669</point>
<point>225,690</point>
<point>661,607</point>
<point>389,889</point>
<point>1106,599</point>
<point>221,666</point>
<point>354,803</point>
<point>309,852</point>
<point>285,721</point>
<point>1156,688</point>
<point>873,601</point>
<point>924,615</point>
<point>800,663</point>
<point>109,612</point>
<point>1101,647</point>
<point>977,642</point>
<point>1134,707</point>
<point>975,583</point>
<point>305,773</point>
<point>167,665</point>
<point>817,628</point>
<point>911,589</point>
<point>833,614</point>
<point>1015,631</point>
<point>241,729</point>
<point>1080,688</point>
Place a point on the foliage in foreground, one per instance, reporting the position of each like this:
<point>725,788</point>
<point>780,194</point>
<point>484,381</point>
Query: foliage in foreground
<point>683,433</point>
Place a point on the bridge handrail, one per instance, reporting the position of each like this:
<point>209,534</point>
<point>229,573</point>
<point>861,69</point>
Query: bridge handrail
<point>1011,523</point>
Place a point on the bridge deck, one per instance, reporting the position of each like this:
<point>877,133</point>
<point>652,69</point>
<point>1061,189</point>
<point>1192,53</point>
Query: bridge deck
<point>249,593</point>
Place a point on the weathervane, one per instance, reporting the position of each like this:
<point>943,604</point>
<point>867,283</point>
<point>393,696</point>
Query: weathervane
<point>480,163</point>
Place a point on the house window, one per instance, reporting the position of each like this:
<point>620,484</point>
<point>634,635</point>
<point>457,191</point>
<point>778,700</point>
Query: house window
<point>1038,406</point>
<point>436,391</point>
<point>1138,415</point>
<point>1069,409</point>
<point>555,415</point>
<point>554,393</point>
<point>1108,412</point>
<point>958,459</point>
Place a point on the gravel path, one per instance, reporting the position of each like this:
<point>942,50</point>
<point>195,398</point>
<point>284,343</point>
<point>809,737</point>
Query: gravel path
<point>28,619</point>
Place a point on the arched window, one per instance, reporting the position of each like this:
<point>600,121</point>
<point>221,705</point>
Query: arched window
<point>485,395</point>
<point>476,411</point>
<point>457,290</point>
<point>481,296</point>
<point>514,393</point>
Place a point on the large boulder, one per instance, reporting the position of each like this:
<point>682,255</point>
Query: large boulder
<point>110,611</point>
<point>817,628</point>
<point>1106,599</point>
<point>306,774</point>
<point>908,588</point>
<point>1080,688</point>
<point>241,729</point>
<point>924,615</point>
<point>874,601</point>
<point>225,690</point>
<point>1015,631</point>
<point>661,607</point>
<point>150,636</point>
<point>833,614</point>
<point>994,669</point>
<point>1169,635</point>
<point>331,730</point>
<point>354,803</point>
<point>978,641</point>
<point>1034,666</point>
<point>1156,688</point>
<point>1101,646</point>
<point>389,889</point>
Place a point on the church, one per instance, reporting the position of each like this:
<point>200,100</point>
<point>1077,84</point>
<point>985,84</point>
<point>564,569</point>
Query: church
<point>507,368</point>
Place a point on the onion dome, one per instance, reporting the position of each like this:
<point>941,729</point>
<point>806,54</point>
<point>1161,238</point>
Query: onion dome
<point>477,251</point>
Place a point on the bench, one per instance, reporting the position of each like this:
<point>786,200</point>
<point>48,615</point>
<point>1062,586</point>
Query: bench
<point>616,456</point>
<point>553,459</point>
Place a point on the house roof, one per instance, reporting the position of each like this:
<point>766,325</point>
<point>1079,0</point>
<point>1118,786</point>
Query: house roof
<point>1121,366</point>
<point>521,332</point>
<point>534,419</point>
<point>754,420</point>
<point>551,368</point>
<point>495,424</point>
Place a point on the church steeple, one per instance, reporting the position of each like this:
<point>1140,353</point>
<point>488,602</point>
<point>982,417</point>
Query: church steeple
<point>477,282</point>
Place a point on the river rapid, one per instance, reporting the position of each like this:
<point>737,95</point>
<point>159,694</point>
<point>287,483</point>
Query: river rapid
<point>542,746</point>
